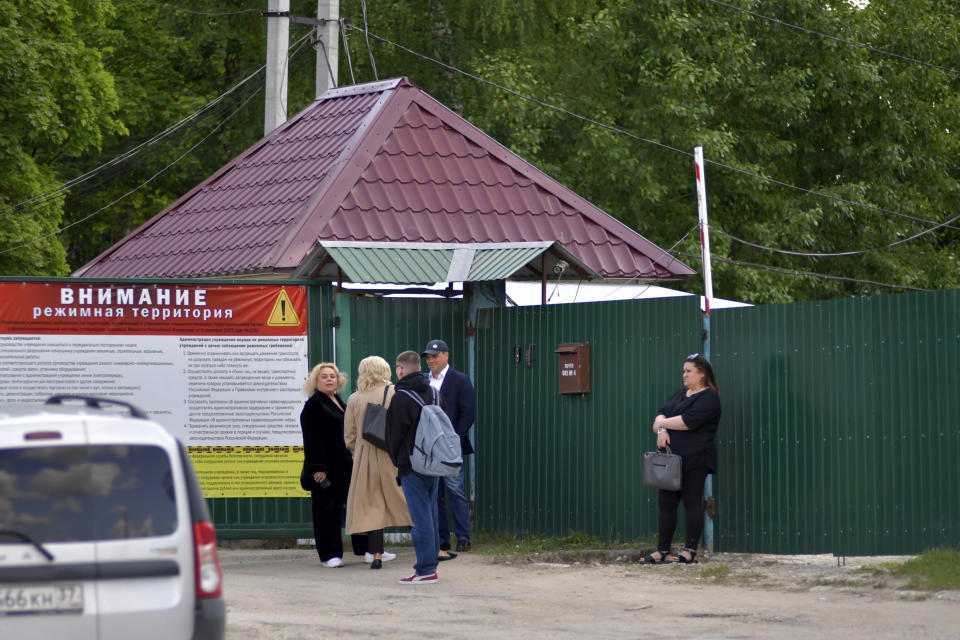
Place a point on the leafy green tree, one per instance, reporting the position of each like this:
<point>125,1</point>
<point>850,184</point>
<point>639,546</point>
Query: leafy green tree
<point>169,61</point>
<point>761,99</point>
<point>654,79</point>
<point>56,98</point>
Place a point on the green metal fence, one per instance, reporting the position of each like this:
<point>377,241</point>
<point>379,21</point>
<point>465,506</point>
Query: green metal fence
<point>550,464</point>
<point>841,425</point>
<point>840,432</point>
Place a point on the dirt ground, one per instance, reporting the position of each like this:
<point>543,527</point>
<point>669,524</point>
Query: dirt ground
<point>286,594</point>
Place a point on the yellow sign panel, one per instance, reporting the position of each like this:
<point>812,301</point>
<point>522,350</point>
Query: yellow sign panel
<point>249,472</point>
<point>283,314</point>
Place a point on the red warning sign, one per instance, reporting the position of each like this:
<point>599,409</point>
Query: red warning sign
<point>152,309</point>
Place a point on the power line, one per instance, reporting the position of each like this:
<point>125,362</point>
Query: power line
<point>127,155</point>
<point>851,43</point>
<point>634,136</point>
<point>644,290</point>
<point>141,185</point>
<point>212,14</point>
<point>800,272</point>
<point>346,49</point>
<point>366,35</point>
<point>160,137</point>
<point>828,196</point>
<point>836,254</point>
<point>546,105</point>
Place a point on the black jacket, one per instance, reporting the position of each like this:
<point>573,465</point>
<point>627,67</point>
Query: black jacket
<point>460,404</point>
<point>701,413</point>
<point>321,422</point>
<point>403,414</point>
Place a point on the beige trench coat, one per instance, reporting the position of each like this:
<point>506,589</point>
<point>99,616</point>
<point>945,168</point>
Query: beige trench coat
<point>375,500</point>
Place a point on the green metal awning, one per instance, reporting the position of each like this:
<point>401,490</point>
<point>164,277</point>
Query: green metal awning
<point>427,263</point>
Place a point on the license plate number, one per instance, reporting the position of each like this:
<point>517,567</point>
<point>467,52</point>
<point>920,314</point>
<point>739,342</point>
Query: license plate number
<point>61,598</point>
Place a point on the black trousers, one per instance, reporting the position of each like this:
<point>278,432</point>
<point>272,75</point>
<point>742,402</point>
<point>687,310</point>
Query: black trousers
<point>327,515</point>
<point>375,541</point>
<point>691,494</point>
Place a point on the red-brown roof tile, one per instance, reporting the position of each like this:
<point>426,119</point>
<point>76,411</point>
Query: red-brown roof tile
<point>377,162</point>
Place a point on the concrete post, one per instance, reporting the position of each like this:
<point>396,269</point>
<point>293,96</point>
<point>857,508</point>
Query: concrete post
<point>278,41</point>
<point>329,35</point>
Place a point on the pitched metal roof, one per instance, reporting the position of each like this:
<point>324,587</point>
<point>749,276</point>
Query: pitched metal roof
<point>378,162</point>
<point>428,263</point>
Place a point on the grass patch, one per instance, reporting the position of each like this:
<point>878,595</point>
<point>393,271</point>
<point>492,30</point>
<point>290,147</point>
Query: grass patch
<point>718,573</point>
<point>932,570</point>
<point>500,544</point>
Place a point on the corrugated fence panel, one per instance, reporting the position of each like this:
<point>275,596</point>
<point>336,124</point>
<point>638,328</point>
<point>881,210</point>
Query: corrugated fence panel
<point>551,463</point>
<point>385,327</point>
<point>841,425</point>
<point>280,517</point>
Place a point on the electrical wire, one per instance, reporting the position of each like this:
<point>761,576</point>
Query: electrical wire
<point>295,48</point>
<point>323,48</point>
<point>673,258</point>
<point>800,272</point>
<point>211,14</point>
<point>141,185</point>
<point>366,35</point>
<point>661,145</point>
<point>543,104</point>
<point>835,254</point>
<point>163,170</point>
<point>828,196</point>
<point>127,155</point>
<point>851,43</point>
<point>632,280</point>
<point>346,49</point>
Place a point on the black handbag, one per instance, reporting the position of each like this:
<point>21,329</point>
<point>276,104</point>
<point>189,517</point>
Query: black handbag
<point>662,470</point>
<point>375,423</point>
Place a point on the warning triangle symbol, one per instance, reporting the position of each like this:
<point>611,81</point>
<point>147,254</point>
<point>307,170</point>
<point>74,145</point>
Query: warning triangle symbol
<point>283,314</point>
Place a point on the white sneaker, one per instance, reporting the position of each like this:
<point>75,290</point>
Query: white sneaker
<point>333,563</point>
<point>386,556</point>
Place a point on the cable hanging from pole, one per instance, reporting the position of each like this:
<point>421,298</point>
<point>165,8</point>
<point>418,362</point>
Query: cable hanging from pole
<point>366,35</point>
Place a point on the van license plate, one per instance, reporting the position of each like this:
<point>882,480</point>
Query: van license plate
<point>61,598</point>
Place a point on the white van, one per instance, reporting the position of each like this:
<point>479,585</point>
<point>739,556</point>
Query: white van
<point>104,532</point>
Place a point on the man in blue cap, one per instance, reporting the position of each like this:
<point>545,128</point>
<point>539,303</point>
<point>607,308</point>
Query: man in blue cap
<point>459,403</point>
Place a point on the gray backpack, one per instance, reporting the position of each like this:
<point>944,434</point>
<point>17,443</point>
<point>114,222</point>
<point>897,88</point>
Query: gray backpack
<point>436,447</point>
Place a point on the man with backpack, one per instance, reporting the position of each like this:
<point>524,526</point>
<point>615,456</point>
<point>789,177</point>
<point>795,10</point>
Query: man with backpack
<point>420,490</point>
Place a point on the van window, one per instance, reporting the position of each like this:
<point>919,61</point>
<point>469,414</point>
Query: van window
<point>80,493</point>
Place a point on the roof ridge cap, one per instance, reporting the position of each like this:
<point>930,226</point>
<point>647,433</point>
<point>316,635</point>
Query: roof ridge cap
<point>343,174</point>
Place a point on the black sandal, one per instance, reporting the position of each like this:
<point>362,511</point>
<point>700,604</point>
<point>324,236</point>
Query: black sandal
<point>683,559</point>
<point>649,559</point>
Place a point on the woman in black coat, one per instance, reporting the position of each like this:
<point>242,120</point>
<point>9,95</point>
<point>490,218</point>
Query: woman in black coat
<point>327,458</point>
<point>688,423</point>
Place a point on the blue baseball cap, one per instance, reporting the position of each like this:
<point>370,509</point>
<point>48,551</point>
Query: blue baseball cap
<point>434,347</point>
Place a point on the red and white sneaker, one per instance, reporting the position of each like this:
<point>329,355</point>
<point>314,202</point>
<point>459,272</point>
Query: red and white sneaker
<point>415,579</point>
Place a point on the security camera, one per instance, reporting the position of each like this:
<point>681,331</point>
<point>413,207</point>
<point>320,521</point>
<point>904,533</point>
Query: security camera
<point>560,267</point>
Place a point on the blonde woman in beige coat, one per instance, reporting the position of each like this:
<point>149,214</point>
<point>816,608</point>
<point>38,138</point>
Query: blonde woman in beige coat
<point>375,500</point>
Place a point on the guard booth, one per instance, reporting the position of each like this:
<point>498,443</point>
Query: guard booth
<point>375,183</point>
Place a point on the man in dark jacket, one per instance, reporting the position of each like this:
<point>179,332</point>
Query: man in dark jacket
<point>459,403</point>
<point>420,491</point>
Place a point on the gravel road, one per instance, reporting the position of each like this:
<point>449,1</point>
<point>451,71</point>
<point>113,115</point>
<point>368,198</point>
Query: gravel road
<point>286,594</point>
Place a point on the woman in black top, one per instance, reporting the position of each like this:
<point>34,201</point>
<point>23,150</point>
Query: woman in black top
<point>688,423</point>
<point>328,460</point>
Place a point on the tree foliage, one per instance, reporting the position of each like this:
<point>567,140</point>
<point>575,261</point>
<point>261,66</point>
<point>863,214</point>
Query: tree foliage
<point>56,98</point>
<point>813,145</point>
